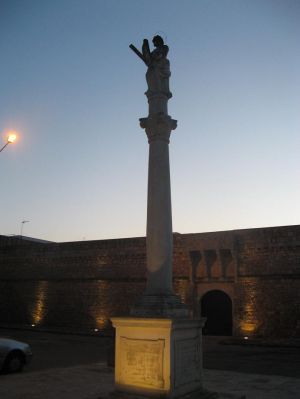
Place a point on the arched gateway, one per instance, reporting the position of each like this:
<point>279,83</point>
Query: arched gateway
<point>216,306</point>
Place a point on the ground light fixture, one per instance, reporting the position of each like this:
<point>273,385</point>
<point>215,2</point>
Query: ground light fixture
<point>11,138</point>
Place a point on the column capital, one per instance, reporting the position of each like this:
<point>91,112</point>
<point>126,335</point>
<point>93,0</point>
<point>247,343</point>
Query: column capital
<point>158,127</point>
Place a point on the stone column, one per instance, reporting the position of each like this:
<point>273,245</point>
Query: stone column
<point>159,213</point>
<point>159,298</point>
<point>158,349</point>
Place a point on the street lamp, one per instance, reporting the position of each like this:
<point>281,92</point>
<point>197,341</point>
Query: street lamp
<point>10,139</point>
<point>22,224</point>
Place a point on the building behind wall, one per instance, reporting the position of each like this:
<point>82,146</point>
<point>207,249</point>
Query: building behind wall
<point>248,281</point>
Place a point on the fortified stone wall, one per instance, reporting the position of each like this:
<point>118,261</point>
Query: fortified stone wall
<point>80,285</point>
<point>70,285</point>
<point>267,295</point>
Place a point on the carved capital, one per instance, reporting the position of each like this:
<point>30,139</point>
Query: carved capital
<point>158,127</point>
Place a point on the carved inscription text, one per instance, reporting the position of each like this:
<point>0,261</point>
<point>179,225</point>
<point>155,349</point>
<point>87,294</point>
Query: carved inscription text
<point>142,362</point>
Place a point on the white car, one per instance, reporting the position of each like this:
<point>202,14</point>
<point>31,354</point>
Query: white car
<point>13,355</point>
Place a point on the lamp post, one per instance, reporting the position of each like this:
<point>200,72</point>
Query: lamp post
<point>22,224</point>
<point>10,139</point>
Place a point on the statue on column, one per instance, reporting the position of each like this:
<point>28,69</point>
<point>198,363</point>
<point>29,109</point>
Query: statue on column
<point>158,72</point>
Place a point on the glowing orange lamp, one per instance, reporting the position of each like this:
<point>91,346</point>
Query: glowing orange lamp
<point>11,138</point>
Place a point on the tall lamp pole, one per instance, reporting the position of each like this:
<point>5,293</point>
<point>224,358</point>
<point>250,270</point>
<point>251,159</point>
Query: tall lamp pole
<point>22,224</point>
<point>10,139</point>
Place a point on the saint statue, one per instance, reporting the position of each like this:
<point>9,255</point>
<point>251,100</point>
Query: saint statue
<point>158,72</point>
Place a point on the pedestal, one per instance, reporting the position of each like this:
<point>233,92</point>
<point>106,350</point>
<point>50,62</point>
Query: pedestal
<point>158,357</point>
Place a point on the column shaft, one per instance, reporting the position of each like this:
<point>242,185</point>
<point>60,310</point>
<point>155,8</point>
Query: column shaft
<point>159,221</point>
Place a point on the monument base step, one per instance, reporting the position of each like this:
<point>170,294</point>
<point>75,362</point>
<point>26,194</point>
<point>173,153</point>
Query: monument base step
<point>199,394</point>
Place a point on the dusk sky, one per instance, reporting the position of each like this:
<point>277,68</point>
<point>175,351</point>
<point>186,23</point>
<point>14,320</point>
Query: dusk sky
<point>74,91</point>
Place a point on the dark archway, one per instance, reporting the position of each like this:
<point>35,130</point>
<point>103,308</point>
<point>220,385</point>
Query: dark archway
<point>216,306</point>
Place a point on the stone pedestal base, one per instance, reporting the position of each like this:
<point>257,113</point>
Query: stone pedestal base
<point>199,394</point>
<point>158,357</point>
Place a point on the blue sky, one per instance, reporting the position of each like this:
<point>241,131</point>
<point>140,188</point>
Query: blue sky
<point>74,91</point>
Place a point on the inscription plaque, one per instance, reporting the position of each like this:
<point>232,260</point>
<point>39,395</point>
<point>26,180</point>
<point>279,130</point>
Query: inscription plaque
<point>142,362</point>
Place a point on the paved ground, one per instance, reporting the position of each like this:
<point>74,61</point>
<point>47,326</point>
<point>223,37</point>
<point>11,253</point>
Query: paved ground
<point>95,381</point>
<point>273,360</point>
<point>74,367</point>
<point>59,350</point>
